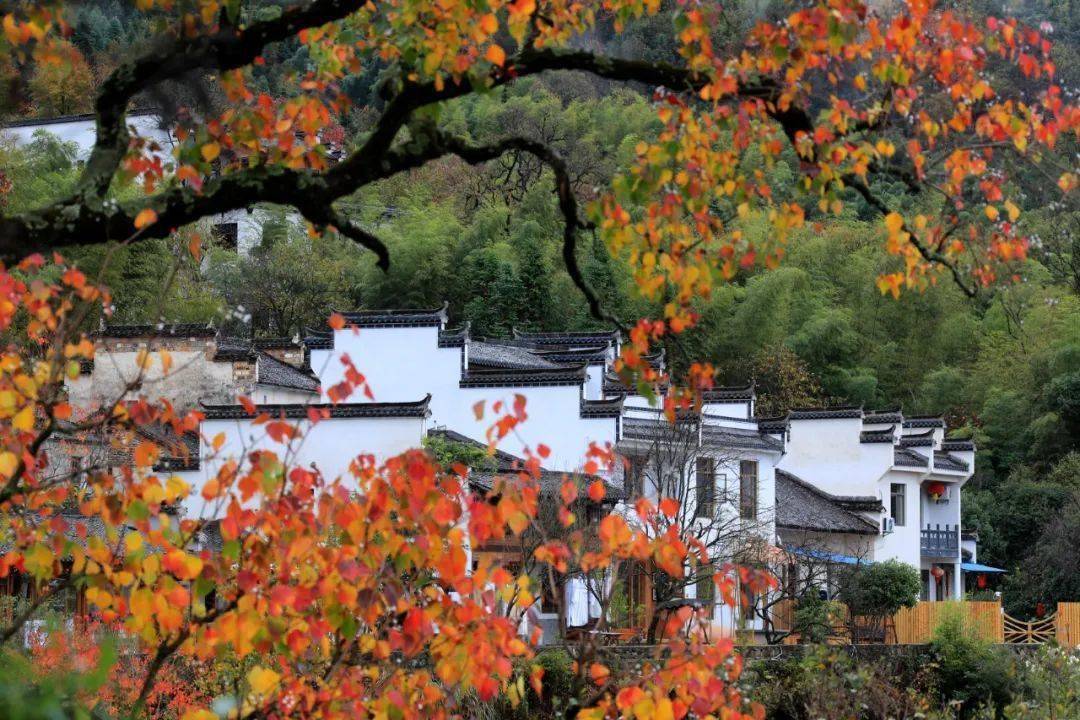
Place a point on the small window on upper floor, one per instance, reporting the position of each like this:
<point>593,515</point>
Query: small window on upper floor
<point>634,476</point>
<point>706,487</point>
<point>748,489</point>
<point>227,234</point>
<point>897,505</point>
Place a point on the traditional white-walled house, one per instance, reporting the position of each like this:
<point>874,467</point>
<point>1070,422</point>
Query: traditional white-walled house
<point>238,229</point>
<point>847,485</point>
<point>899,474</point>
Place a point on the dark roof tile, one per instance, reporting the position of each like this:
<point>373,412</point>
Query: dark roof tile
<point>904,457</point>
<point>801,506</point>
<point>184,330</point>
<point>416,409</point>
<point>475,378</point>
<point>606,408</point>
<point>271,371</point>
<point>826,413</point>
<point>397,318</point>
<point>924,421</point>
<point>876,436</point>
<point>945,461</point>
<point>488,355</point>
<point>727,394</point>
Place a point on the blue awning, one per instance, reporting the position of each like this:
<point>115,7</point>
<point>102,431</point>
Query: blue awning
<point>977,568</point>
<point>828,556</point>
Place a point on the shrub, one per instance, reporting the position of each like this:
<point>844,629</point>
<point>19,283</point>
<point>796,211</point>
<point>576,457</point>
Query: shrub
<point>876,592</point>
<point>1049,686</point>
<point>970,673</point>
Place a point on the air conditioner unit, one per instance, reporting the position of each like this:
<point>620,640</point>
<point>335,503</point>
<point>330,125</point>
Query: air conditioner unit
<point>888,524</point>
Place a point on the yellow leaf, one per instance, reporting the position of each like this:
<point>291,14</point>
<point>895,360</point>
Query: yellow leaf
<point>1014,212</point>
<point>210,151</point>
<point>262,680</point>
<point>894,222</point>
<point>495,55</point>
<point>24,420</point>
<point>991,212</point>
<point>8,463</point>
<point>145,217</point>
<point>133,541</point>
<point>489,24</point>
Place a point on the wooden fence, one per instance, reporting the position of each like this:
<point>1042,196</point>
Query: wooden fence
<point>986,618</point>
<point>917,624</point>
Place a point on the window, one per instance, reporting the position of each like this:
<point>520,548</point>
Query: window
<point>706,487</point>
<point>706,589</point>
<point>748,489</point>
<point>897,508</point>
<point>227,234</point>
<point>633,476</point>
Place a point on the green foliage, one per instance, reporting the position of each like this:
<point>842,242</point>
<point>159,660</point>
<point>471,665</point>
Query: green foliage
<point>814,618</point>
<point>880,589</point>
<point>1049,686</point>
<point>449,453</point>
<point>970,673</point>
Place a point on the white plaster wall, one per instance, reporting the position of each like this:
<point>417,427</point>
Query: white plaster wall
<point>740,409</point>
<point>935,514</point>
<point>402,364</point>
<point>828,454</point>
<point>594,383</point>
<point>273,394</point>
<point>903,543</point>
<point>82,132</point>
<point>330,446</point>
<point>192,377</point>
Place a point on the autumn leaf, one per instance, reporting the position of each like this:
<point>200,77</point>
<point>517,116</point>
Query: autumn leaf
<point>146,216</point>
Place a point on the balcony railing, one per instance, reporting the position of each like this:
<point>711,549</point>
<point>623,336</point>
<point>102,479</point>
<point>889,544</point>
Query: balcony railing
<point>940,541</point>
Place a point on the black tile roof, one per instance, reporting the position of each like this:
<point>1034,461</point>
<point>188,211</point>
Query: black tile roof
<point>504,461</point>
<point>826,413</point>
<point>415,409</point>
<point>924,421</point>
<point>271,371</point>
<point>568,339</point>
<point>638,428</point>
<point>876,436</point>
<point>489,355</point>
<point>777,425</point>
<point>508,464</point>
<point>904,457</point>
<point>592,356</point>
<point>607,408</point>
<point>455,337</point>
<point>945,461</point>
<point>185,330</point>
<point>923,439</point>
<point>276,343</point>
<point>881,417</point>
<point>316,339</point>
<point>801,506</point>
<point>745,438</point>
<point>233,349</point>
<point>723,394</point>
<point>958,446</point>
<point>396,318</point>
<point>475,378</point>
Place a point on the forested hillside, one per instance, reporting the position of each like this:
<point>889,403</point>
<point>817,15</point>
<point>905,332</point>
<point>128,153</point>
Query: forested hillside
<point>1004,366</point>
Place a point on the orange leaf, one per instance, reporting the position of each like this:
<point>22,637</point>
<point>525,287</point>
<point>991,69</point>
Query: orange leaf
<point>210,151</point>
<point>337,321</point>
<point>597,491</point>
<point>669,507</point>
<point>145,217</point>
<point>495,55</point>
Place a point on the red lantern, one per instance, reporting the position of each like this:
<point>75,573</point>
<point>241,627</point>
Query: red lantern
<point>981,580</point>
<point>937,572</point>
<point>935,490</point>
